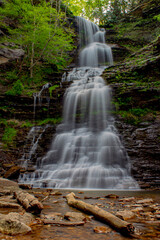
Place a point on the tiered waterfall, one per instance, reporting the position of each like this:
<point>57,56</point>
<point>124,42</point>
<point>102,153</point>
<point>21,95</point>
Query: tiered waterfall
<point>86,151</point>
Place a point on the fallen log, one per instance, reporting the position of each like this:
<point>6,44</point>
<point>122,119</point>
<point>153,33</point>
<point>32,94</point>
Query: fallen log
<point>28,201</point>
<point>104,216</point>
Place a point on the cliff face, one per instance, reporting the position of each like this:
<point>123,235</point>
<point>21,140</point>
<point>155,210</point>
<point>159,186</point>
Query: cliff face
<point>135,80</point>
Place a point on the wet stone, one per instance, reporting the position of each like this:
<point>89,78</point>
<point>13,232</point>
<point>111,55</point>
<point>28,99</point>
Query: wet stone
<point>74,216</point>
<point>53,216</point>
<point>102,229</point>
<point>114,196</point>
<point>144,201</point>
<point>125,215</point>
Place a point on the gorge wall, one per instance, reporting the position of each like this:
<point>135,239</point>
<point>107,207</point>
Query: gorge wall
<point>135,81</point>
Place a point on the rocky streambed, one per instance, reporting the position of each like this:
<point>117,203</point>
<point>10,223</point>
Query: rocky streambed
<point>57,220</point>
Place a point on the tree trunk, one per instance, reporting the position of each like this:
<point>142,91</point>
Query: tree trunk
<point>104,216</point>
<point>28,201</point>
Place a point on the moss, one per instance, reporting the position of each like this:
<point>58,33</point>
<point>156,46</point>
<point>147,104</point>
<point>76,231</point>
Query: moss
<point>8,136</point>
<point>49,121</point>
<point>134,116</point>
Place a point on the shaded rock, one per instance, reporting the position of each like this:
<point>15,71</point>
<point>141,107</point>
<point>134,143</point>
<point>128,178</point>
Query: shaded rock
<point>74,216</point>
<point>25,186</point>
<point>13,172</point>
<point>9,225</point>
<point>102,229</point>
<point>7,166</point>
<point>125,215</point>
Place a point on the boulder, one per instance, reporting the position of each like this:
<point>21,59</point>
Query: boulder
<point>11,54</point>
<point>10,225</point>
<point>13,172</point>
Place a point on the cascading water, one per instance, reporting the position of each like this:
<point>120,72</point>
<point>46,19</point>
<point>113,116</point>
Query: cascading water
<point>86,151</point>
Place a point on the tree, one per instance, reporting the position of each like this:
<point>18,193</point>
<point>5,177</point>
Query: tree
<point>41,32</point>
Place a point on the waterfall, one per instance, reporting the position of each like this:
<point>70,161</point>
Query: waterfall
<point>38,96</point>
<point>86,151</point>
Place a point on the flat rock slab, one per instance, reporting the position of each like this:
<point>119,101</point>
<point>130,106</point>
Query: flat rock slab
<point>53,216</point>
<point>145,201</point>
<point>125,215</point>
<point>4,204</point>
<point>74,216</point>
<point>5,183</point>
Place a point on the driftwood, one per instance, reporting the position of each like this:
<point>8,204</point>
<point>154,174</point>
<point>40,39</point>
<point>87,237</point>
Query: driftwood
<point>28,201</point>
<point>62,223</point>
<point>115,222</point>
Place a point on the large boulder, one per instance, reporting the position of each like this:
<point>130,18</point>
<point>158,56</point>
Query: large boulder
<point>11,54</point>
<point>14,224</point>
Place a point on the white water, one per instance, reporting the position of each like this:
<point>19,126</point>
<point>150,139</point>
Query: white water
<point>31,144</point>
<point>38,96</point>
<point>86,151</point>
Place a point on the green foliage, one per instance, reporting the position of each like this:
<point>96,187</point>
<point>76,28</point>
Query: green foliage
<point>26,124</point>
<point>12,75</point>
<point>16,89</point>
<point>134,116</point>
<point>49,121</point>
<point>9,136</point>
<point>52,89</point>
<point>41,31</point>
<point>157,17</point>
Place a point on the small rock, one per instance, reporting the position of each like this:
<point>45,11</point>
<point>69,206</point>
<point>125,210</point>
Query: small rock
<point>143,201</point>
<point>112,196</point>
<point>138,209</point>
<point>130,199</point>
<point>74,216</point>
<point>25,186</point>
<point>102,229</point>
<point>125,215</point>
<point>56,193</point>
<point>148,209</point>
<point>53,216</point>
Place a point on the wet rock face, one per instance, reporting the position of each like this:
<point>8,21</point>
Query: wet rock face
<point>142,144</point>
